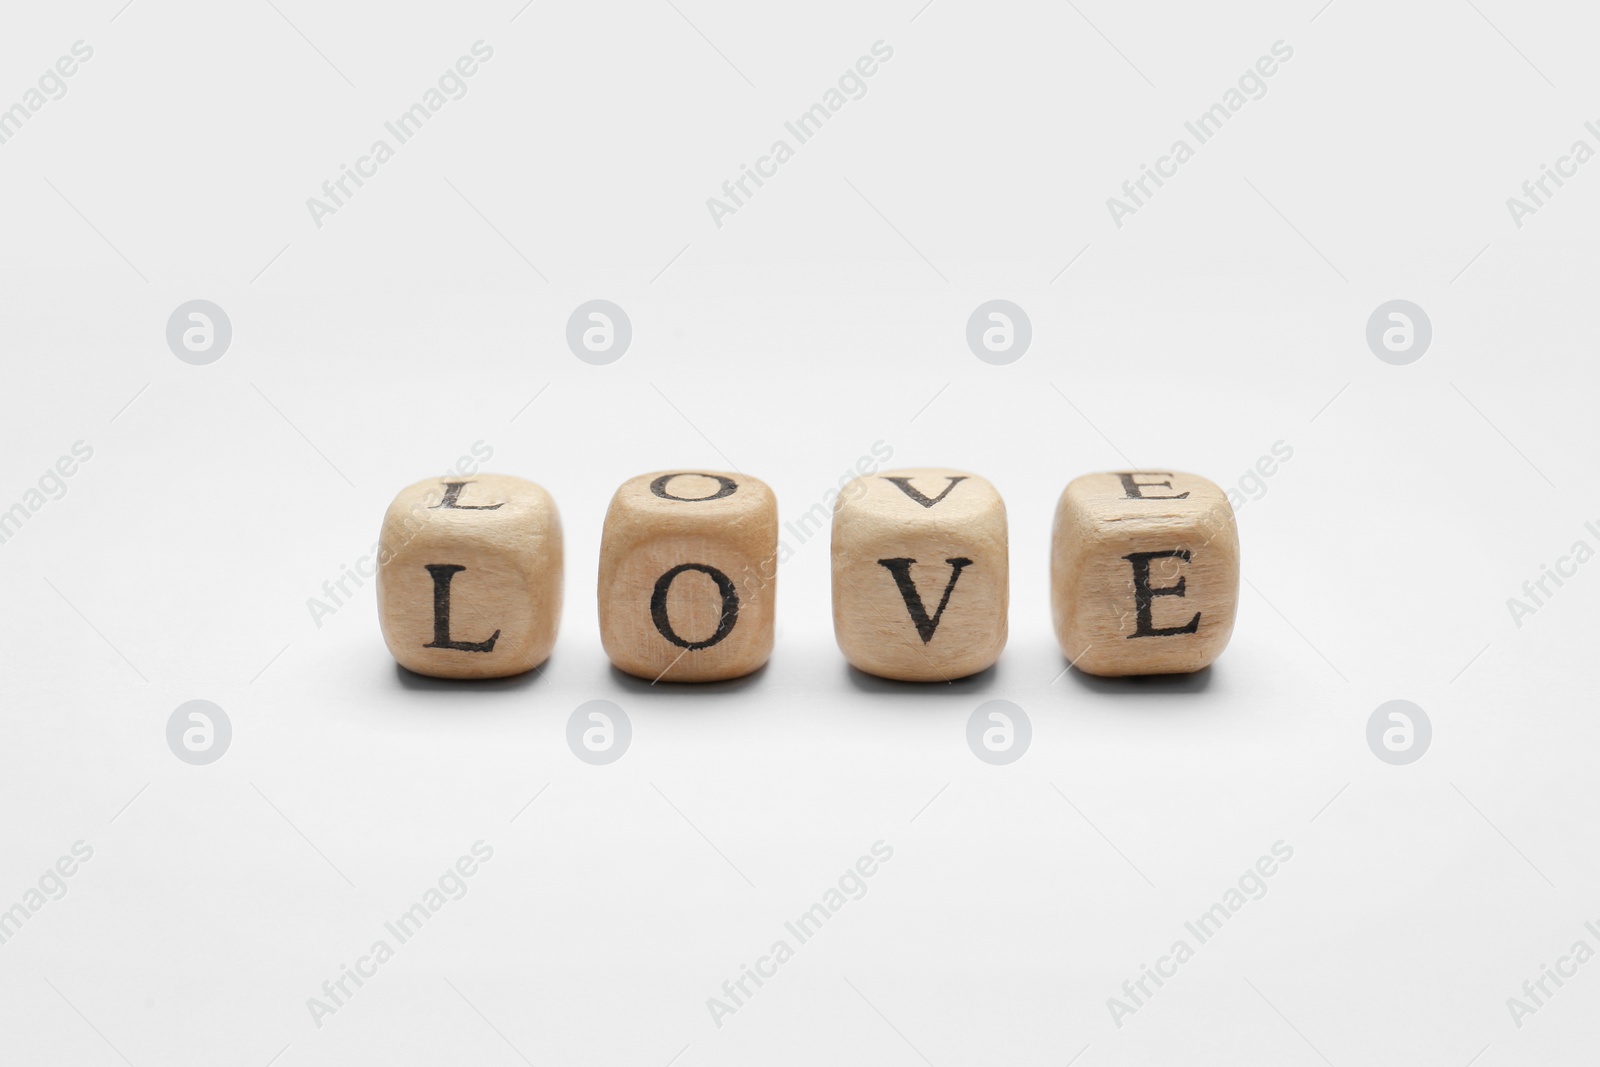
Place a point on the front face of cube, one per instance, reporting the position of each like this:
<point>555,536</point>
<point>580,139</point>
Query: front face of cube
<point>469,576</point>
<point>688,575</point>
<point>1144,572</point>
<point>921,580</point>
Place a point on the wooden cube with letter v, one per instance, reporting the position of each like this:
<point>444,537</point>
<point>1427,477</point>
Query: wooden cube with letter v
<point>688,576</point>
<point>1144,572</point>
<point>469,576</point>
<point>921,581</point>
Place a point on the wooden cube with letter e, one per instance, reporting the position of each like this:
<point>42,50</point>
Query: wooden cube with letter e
<point>921,574</point>
<point>688,575</point>
<point>1144,572</point>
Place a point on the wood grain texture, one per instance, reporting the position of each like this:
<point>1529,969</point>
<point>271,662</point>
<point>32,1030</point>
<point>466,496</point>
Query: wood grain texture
<point>1144,572</point>
<point>688,569</point>
<point>906,542</point>
<point>465,563</point>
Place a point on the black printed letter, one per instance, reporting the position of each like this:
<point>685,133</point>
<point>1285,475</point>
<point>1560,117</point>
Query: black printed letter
<point>901,569</point>
<point>452,493</point>
<point>725,487</point>
<point>1143,594</point>
<point>909,490</point>
<point>730,604</point>
<point>1130,488</point>
<point>442,573</point>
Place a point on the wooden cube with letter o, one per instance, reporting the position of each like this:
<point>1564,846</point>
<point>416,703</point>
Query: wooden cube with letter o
<point>688,575</point>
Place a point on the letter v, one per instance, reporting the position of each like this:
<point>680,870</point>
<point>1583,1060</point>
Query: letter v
<point>911,491</point>
<point>901,569</point>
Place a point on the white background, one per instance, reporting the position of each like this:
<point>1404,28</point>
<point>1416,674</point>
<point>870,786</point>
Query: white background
<point>829,313</point>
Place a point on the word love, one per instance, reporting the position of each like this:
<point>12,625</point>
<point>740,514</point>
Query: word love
<point>1144,575</point>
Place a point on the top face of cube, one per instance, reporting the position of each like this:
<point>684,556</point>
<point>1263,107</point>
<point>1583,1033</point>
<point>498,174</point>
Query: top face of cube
<point>484,509</point>
<point>926,498</point>
<point>681,501</point>
<point>1119,505</point>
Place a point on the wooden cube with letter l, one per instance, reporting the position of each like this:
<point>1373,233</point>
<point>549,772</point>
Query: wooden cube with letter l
<point>469,576</point>
<point>688,575</point>
<point>921,578</point>
<point>1144,572</point>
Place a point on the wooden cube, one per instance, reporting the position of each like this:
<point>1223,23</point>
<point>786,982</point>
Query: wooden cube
<point>469,576</point>
<point>1144,572</point>
<point>688,570</point>
<point>921,579</point>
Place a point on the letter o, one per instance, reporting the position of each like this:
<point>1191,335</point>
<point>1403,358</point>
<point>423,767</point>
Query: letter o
<point>725,487</point>
<point>730,605</point>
